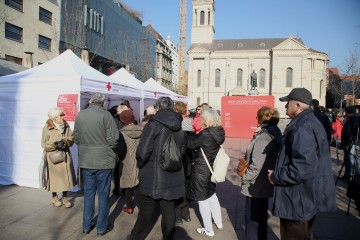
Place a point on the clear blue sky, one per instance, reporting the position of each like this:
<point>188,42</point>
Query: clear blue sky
<point>330,26</point>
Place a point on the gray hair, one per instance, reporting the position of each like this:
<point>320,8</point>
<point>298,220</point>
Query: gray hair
<point>303,106</point>
<point>164,103</point>
<point>121,108</point>
<point>97,98</point>
<point>54,112</point>
<point>210,118</point>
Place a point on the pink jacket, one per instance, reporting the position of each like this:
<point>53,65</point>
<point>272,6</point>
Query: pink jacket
<point>197,124</point>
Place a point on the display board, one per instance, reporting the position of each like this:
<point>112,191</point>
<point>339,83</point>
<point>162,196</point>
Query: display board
<point>238,114</point>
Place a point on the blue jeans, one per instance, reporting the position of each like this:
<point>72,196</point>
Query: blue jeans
<point>96,180</point>
<point>351,163</point>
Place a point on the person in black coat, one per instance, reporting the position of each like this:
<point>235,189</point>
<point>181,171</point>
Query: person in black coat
<point>158,188</point>
<point>324,120</point>
<point>201,188</point>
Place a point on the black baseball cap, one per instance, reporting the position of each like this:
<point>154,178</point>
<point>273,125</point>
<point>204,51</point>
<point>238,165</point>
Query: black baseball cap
<point>299,94</point>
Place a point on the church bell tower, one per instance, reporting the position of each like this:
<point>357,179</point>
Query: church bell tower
<point>202,30</point>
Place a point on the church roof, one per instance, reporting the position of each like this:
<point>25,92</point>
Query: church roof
<point>243,44</point>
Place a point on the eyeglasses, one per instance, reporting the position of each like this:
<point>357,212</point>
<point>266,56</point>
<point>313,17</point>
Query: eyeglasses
<point>63,114</point>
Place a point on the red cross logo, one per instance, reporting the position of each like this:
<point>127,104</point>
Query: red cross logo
<point>108,86</point>
<point>155,94</point>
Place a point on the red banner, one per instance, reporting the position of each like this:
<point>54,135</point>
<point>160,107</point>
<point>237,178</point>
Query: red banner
<point>69,103</point>
<point>238,114</point>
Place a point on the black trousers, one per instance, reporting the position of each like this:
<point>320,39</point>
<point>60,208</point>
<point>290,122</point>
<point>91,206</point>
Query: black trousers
<point>256,218</point>
<point>290,229</point>
<point>150,209</point>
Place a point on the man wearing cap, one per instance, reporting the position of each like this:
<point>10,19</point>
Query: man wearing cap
<point>303,178</point>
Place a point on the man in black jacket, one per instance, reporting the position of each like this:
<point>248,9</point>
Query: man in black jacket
<point>348,141</point>
<point>303,178</point>
<point>321,116</point>
<point>158,188</point>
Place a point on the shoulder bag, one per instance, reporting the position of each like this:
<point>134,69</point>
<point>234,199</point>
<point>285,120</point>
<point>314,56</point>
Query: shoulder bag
<point>56,156</point>
<point>221,164</point>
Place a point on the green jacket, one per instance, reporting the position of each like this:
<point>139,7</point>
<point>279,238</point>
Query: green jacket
<point>96,134</point>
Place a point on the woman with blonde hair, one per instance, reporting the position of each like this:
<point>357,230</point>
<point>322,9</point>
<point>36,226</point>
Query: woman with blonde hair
<point>201,188</point>
<point>57,177</point>
<point>261,155</point>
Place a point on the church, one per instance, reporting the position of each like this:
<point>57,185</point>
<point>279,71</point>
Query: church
<point>223,67</point>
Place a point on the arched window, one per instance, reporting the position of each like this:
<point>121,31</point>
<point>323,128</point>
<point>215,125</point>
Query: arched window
<point>217,78</point>
<point>208,17</point>
<point>289,77</point>
<point>262,78</point>
<point>199,78</point>
<point>202,18</point>
<point>239,77</point>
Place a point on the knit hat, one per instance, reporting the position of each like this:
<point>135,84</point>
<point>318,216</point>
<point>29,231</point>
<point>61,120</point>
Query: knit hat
<point>127,117</point>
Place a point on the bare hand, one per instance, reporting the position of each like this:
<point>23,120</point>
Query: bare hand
<point>270,172</point>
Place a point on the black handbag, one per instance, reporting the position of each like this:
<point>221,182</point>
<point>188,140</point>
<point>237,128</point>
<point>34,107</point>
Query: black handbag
<point>57,156</point>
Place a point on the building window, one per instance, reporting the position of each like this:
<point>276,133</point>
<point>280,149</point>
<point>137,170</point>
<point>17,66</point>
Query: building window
<point>44,42</point>
<point>13,32</point>
<point>239,77</point>
<point>14,59</point>
<point>262,78</point>
<point>202,18</point>
<point>199,78</point>
<point>17,4</point>
<point>209,18</point>
<point>45,16</point>
<point>289,77</point>
<point>217,78</point>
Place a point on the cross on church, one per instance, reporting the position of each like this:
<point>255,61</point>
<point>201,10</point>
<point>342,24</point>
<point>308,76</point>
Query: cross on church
<point>108,86</point>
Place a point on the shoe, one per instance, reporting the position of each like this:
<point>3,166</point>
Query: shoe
<point>187,218</point>
<point>108,229</point>
<point>219,226</point>
<point>88,231</point>
<point>56,202</point>
<point>206,233</point>
<point>66,202</point>
<point>178,221</point>
<point>128,210</point>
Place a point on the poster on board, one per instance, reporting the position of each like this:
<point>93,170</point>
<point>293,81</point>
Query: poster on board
<point>238,114</point>
<point>69,103</point>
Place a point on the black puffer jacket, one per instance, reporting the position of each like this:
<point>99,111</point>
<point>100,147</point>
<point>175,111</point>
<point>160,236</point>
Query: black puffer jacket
<point>155,182</point>
<point>209,139</point>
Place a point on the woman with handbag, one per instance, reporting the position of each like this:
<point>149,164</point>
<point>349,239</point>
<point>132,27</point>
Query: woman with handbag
<point>58,173</point>
<point>201,188</point>
<point>261,155</point>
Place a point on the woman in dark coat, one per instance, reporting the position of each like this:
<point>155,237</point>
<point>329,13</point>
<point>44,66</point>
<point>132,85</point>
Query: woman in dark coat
<point>201,188</point>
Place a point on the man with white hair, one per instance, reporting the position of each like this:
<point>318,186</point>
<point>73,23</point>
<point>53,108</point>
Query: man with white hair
<point>303,178</point>
<point>96,134</point>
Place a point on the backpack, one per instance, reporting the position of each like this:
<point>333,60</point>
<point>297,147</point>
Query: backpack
<point>170,159</point>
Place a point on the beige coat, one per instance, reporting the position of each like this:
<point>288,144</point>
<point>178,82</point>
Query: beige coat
<point>57,177</point>
<point>130,172</point>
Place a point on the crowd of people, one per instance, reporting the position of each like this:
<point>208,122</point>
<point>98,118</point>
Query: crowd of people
<point>293,167</point>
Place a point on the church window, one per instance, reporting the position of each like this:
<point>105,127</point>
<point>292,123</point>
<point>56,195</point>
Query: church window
<point>209,18</point>
<point>202,18</point>
<point>289,77</point>
<point>239,77</point>
<point>217,78</point>
<point>262,78</point>
<point>199,78</point>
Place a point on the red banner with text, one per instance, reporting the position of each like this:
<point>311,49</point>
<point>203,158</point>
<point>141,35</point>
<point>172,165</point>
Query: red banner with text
<point>238,114</point>
<point>69,103</point>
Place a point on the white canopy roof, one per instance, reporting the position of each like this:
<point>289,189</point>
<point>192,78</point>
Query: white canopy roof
<point>25,99</point>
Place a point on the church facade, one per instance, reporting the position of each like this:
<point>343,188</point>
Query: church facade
<point>220,68</point>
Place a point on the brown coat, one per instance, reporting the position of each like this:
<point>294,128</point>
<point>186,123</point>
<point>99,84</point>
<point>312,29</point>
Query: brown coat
<point>57,177</point>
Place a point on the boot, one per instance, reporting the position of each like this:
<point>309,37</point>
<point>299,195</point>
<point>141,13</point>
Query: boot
<point>66,202</point>
<point>56,202</point>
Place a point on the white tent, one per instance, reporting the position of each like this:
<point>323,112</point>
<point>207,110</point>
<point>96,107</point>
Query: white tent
<point>25,99</point>
<point>163,91</point>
